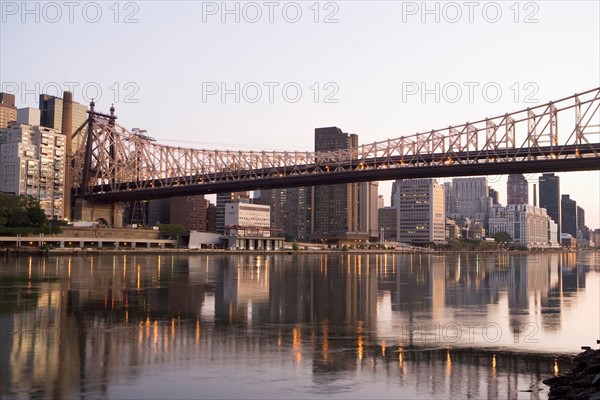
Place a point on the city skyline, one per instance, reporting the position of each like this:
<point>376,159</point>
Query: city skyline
<point>363,83</point>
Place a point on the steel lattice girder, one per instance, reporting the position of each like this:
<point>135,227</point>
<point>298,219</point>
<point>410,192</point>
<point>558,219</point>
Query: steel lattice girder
<point>122,161</point>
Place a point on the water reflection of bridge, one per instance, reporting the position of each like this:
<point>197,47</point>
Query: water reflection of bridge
<point>101,315</point>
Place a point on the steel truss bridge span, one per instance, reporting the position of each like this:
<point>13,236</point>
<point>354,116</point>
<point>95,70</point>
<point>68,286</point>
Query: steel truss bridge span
<point>112,164</point>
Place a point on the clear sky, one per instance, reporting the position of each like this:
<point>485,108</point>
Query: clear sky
<point>264,75</point>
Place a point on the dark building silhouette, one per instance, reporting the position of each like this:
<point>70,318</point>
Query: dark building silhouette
<point>388,222</point>
<point>211,217</point>
<point>517,190</point>
<point>394,196</point>
<point>189,211</point>
<point>335,207</point>
<point>550,198</point>
<point>51,116</point>
<point>583,232</point>
<point>494,195</point>
<point>569,215</point>
<point>290,210</point>
<point>159,212</point>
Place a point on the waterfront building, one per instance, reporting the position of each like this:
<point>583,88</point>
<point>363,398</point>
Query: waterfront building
<point>222,200</point>
<point>527,225</point>
<point>452,230</point>
<point>248,227</point>
<point>549,197</point>
<point>32,162</point>
<point>248,215</point>
<point>388,222</point>
<point>367,210</point>
<point>595,238</point>
<point>583,232</point>
<point>380,201</point>
<point>421,216</point>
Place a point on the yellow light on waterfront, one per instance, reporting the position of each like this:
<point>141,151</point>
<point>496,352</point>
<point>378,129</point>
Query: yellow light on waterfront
<point>325,345</point>
<point>158,276</point>
<point>556,367</point>
<point>383,348</point>
<point>361,341</point>
<point>400,357</point>
<point>494,365</point>
<point>197,332</point>
<point>297,343</point>
<point>448,363</point>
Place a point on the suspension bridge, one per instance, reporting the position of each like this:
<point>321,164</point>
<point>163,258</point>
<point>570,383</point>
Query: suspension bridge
<point>112,164</point>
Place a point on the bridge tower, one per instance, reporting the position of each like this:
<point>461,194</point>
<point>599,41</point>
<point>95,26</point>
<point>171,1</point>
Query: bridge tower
<point>109,214</point>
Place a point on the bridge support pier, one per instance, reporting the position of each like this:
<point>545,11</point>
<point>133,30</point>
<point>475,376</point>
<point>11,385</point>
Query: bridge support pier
<point>109,213</point>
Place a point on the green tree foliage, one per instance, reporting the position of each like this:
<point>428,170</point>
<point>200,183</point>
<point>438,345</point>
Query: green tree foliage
<point>502,237</point>
<point>172,230</point>
<point>21,211</point>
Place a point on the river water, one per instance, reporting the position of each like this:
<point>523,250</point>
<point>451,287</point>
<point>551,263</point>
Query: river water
<point>294,326</point>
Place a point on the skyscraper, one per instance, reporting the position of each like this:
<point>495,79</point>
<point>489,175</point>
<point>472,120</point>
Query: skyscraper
<point>368,204</point>
<point>335,207</point>
<point>8,111</point>
<point>421,216</point>
<point>469,198</point>
<point>394,196</point>
<point>388,222</point>
<point>568,208</point>
<point>494,195</point>
<point>583,232</point>
<point>517,190</point>
<point>51,116</point>
<point>289,210</point>
<point>549,196</point>
<point>32,162</point>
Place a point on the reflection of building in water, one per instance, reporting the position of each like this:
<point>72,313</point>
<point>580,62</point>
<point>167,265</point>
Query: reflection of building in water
<point>242,291</point>
<point>117,318</point>
<point>473,280</point>
<point>573,274</point>
<point>551,303</point>
<point>39,350</point>
<point>346,290</point>
<point>413,284</point>
<point>518,294</point>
